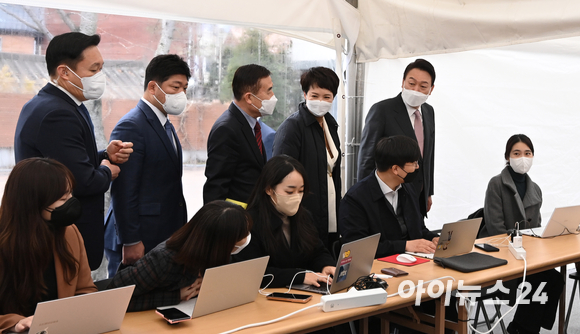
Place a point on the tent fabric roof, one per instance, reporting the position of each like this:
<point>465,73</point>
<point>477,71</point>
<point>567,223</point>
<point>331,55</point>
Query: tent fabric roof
<point>378,28</point>
<point>401,28</point>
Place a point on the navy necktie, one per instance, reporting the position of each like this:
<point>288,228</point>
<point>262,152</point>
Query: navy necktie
<point>87,117</point>
<point>170,130</point>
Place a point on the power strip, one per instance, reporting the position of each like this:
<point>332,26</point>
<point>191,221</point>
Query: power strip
<point>352,299</point>
<point>518,252</point>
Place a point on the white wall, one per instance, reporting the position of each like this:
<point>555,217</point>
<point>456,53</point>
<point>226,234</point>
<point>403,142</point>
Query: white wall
<point>483,97</point>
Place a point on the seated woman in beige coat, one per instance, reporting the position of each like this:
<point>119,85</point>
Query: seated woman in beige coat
<point>42,255</point>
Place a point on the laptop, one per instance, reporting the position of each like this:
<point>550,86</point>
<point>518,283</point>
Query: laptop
<point>355,260</point>
<point>456,238</point>
<point>563,221</point>
<point>225,287</point>
<point>97,312</point>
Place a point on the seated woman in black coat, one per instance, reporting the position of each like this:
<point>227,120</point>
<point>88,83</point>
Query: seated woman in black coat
<point>283,228</point>
<point>173,271</point>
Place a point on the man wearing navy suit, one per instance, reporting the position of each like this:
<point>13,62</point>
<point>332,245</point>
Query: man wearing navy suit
<point>406,114</point>
<point>235,150</point>
<point>56,124</point>
<point>385,202</point>
<point>147,199</point>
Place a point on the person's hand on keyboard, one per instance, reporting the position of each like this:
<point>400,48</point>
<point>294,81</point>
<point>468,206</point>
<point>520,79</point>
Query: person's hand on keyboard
<point>314,278</point>
<point>420,246</point>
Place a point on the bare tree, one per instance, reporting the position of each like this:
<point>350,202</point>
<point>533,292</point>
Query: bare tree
<point>167,29</point>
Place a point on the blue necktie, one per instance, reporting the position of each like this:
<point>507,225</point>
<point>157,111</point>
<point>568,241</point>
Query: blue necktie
<point>87,117</point>
<point>170,133</point>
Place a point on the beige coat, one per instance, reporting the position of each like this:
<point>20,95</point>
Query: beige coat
<point>82,283</point>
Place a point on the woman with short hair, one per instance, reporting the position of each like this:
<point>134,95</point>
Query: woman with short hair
<point>310,135</point>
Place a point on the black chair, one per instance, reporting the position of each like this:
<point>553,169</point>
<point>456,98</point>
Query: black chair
<point>478,214</point>
<point>102,284</point>
<point>494,296</point>
<point>576,277</point>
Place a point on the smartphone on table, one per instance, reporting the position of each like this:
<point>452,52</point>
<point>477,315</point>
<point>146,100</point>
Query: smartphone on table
<point>487,247</point>
<point>172,315</point>
<point>289,297</point>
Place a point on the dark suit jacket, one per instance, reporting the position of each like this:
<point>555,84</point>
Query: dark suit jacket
<point>364,211</point>
<point>389,118</point>
<point>157,278</point>
<point>234,162</point>
<point>288,259</point>
<point>301,137</point>
<point>147,197</point>
<point>51,125</point>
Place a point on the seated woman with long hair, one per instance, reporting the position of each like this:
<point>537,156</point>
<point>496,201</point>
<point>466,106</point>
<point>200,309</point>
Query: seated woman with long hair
<point>42,255</point>
<point>173,271</point>
<point>283,228</point>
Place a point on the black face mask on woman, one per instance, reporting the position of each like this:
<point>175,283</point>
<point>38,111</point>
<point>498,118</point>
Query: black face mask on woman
<point>66,214</point>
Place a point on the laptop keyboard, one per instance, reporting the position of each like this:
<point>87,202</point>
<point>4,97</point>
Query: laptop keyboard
<point>425,255</point>
<point>322,289</point>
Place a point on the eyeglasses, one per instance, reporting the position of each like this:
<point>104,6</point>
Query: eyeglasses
<point>414,164</point>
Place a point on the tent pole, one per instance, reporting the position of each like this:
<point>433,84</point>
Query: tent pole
<point>355,74</point>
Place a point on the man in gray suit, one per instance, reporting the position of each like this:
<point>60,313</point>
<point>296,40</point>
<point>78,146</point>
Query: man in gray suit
<point>405,114</point>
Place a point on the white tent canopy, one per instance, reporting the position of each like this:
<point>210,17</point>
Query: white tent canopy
<point>379,28</point>
<point>481,96</point>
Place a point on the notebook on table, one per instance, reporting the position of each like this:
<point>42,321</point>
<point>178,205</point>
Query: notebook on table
<point>456,238</point>
<point>355,260</point>
<point>225,287</point>
<point>97,312</point>
<point>563,221</point>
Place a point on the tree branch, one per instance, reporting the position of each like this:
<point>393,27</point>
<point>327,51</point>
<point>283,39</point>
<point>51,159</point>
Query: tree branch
<point>66,19</point>
<point>19,19</point>
<point>41,27</point>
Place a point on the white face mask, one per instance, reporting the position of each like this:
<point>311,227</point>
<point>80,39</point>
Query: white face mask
<point>318,108</point>
<point>267,105</point>
<point>414,98</point>
<point>174,103</point>
<point>521,165</point>
<point>93,87</point>
<point>287,204</point>
<point>238,249</point>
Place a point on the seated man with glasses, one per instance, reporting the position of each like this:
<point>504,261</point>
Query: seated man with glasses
<point>386,202</point>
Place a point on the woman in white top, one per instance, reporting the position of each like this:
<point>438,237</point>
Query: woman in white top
<point>310,135</point>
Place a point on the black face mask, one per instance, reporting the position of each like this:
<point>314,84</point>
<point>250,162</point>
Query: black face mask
<point>410,177</point>
<point>66,214</point>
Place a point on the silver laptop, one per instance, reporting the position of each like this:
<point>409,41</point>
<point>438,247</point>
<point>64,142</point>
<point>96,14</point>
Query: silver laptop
<point>355,260</point>
<point>97,312</point>
<point>456,238</point>
<point>225,287</point>
<point>563,221</point>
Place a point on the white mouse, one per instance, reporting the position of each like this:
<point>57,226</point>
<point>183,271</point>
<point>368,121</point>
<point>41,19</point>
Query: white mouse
<point>406,258</point>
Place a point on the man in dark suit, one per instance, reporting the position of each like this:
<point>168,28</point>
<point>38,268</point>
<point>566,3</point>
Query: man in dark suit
<point>385,202</point>
<point>56,124</point>
<point>235,150</point>
<point>147,198</point>
<point>406,114</point>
